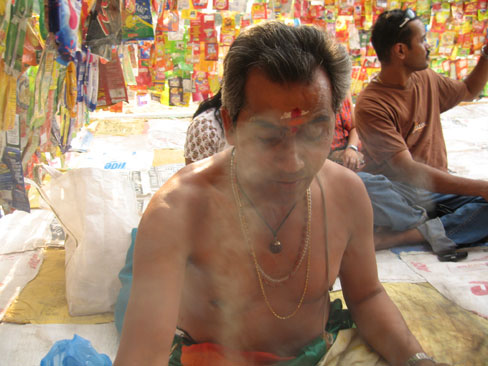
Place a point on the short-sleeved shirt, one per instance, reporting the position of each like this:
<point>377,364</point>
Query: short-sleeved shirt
<point>391,119</point>
<point>204,137</point>
<point>343,127</point>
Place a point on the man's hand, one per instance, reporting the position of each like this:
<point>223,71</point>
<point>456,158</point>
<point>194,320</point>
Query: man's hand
<point>353,159</point>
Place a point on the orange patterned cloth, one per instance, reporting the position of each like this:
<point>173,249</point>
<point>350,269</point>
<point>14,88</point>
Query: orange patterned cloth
<point>210,354</point>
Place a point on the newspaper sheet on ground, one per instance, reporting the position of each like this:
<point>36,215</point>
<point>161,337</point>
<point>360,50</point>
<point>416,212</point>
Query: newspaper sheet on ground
<point>464,282</point>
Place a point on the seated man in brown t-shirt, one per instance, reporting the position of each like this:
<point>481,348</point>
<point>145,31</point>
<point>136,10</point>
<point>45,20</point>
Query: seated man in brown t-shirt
<point>398,120</point>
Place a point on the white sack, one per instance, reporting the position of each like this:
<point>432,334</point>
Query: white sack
<point>98,210</point>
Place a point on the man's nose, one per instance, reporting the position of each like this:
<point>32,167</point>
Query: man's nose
<point>290,156</point>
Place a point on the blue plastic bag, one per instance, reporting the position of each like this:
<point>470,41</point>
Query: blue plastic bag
<point>74,352</point>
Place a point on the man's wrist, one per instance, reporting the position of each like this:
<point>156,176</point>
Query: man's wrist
<point>354,147</point>
<point>418,358</point>
<point>484,52</point>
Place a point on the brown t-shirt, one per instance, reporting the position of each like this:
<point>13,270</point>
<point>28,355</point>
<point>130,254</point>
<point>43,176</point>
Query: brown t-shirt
<point>391,119</point>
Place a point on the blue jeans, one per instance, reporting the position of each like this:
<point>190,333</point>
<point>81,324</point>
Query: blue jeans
<point>445,220</point>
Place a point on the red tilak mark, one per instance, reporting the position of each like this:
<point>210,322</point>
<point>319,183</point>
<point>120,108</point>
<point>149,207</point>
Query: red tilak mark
<point>297,112</point>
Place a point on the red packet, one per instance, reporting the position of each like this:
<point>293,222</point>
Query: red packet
<point>211,51</point>
<point>208,31</point>
<point>258,12</point>
<point>200,4</point>
<point>195,29</point>
<point>111,83</point>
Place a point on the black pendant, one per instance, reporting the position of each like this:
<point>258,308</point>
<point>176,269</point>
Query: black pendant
<point>275,246</point>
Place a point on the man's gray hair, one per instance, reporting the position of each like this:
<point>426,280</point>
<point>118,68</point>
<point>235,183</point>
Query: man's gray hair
<point>286,54</point>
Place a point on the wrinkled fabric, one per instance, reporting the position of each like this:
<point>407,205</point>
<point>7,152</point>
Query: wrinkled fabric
<point>185,352</point>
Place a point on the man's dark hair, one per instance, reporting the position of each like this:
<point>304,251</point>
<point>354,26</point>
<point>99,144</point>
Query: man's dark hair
<point>391,28</point>
<point>286,54</point>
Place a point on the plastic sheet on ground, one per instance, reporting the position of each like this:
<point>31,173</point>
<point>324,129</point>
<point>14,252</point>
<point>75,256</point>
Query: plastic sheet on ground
<point>391,269</point>
<point>16,270</point>
<point>167,133</point>
<point>43,300</point>
<point>466,134</point>
<point>464,283</point>
<point>21,231</point>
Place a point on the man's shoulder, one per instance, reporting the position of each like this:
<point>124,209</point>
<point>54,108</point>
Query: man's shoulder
<point>370,94</point>
<point>196,182</point>
<point>339,178</point>
<point>425,75</point>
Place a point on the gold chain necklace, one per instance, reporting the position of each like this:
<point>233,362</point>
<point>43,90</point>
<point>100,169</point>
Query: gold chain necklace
<point>245,232</point>
<point>275,246</point>
<point>303,251</point>
<point>272,281</point>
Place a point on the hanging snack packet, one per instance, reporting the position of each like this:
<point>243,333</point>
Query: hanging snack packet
<point>104,28</point>
<point>175,91</point>
<point>64,22</point>
<point>91,81</point>
<point>137,24</point>
<point>15,38</point>
<point>7,99</point>
<point>112,89</point>
<point>200,4</point>
<point>62,128</point>
<point>70,89</point>
<point>127,66</point>
<point>221,4</point>
<point>44,80</point>
<point>13,162</point>
<point>33,46</point>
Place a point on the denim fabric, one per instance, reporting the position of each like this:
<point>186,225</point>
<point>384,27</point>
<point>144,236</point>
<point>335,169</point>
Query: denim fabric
<point>399,207</point>
<point>392,209</point>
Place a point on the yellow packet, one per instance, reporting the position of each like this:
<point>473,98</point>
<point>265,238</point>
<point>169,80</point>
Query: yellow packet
<point>8,101</point>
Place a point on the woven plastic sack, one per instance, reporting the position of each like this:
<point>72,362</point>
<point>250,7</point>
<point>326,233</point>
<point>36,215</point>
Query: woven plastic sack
<point>75,352</point>
<point>98,210</point>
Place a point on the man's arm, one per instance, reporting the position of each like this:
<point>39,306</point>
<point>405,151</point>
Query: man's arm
<point>378,319</point>
<point>158,275</point>
<point>423,176</point>
<point>477,79</point>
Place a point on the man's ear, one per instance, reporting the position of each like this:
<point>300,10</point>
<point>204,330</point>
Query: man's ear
<point>398,50</point>
<point>229,128</point>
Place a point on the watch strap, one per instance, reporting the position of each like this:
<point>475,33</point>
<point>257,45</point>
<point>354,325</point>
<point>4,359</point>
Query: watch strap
<point>354,147</point>
<point>412,361</point>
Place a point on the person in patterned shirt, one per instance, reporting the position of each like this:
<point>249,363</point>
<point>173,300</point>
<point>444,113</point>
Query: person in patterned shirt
<point>345,148</point>
<point>205,136</point>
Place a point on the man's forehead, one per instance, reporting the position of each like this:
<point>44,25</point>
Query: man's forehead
<point>287,104</point>
<point>417,26</point>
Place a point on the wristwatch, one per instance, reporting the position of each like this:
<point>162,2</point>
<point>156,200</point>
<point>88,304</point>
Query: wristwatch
<point>412,361</point>
<point>354,147</point>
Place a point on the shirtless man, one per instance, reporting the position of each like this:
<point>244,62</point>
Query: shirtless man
<point>235,250</point>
